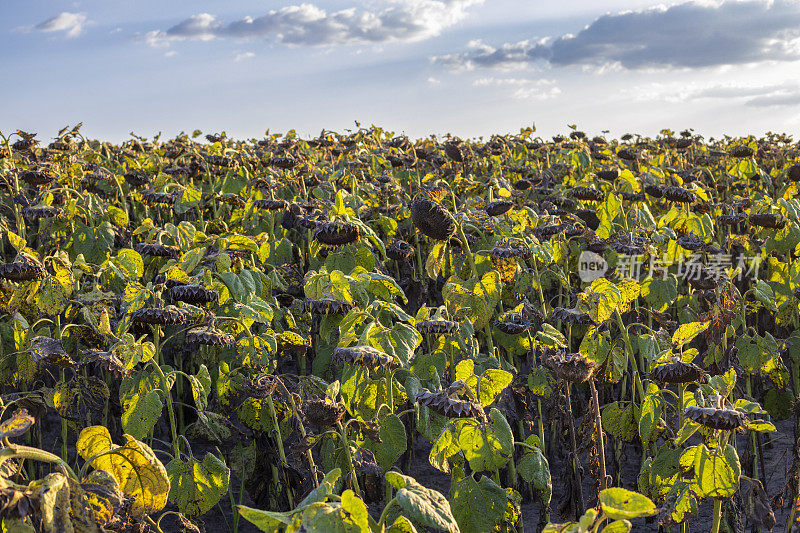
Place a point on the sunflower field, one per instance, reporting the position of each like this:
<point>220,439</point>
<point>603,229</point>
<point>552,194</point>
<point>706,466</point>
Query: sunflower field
<point>362,332</point>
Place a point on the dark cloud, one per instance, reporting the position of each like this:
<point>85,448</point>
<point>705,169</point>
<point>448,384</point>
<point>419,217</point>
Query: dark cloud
<point>307,24</point>
<point>688,35</point>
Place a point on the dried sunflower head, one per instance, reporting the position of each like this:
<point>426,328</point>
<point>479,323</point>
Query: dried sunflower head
<point>400,251</point>
<point>731,220</point>
<point>437,327</point>
<point>327,307</point>
<point>678,195</point>
<point>448,403</point>
<point>157,250</point>
<point>793,173</point>
<point>607,175</point>
<point>192,294</point>
<point>766,220</point>
<point>512,324</point>
<point>337,233</point>
<point>571,316</point>
<point>691,242</point>
<point>510,250</point>
<point>167,316</point>
<point>285,163</point>
<point>588,194</point>
<point>677,372</point>
<point>22,269</point>
<point>157,198</point>
<point>573,367</point>
<point>725,419</point>
<point>455,151</point>
<point>432,219</point>
<point>365,356</point>
<point>321,413</point>
<point>37,212</point>
<point>498,207</point>
<point>136,178</point>
<point>656,191</point>
<point>209,336</point>
<point>741,151</point>
<point>271,204</point>
<point>36,177</point>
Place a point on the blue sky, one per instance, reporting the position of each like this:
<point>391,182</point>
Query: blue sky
<point>468,67</point>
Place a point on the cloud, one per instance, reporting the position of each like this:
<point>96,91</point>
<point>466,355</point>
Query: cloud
<point>72,24</point>
<point>243,56</point>
<point>523,89</point>
<point>686,35</point>
<point>769,95</point>
<point>309,25</point>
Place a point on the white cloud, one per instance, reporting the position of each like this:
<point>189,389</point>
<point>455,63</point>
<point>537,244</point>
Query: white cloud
<point>243,56</point>
<point>307,24</point>
<point>686,35</point>
<point>72,24</point>
<point>765,95</point>
<point>523,89</point>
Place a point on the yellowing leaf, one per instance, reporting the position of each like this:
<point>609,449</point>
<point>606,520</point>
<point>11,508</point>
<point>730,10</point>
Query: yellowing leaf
<point>195,487</point>
<point>135,467</point>
<point>687,332</point>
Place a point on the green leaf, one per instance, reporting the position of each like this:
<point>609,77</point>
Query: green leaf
<point>94,243</point>
<point>600,300</point>
<point>618,526</point>
<point>400,341</point>
<point>195,487</point>
<point>394,442</point>
<point>660,293</point>
<point>443,449</point>
<point>716,473</point>
<point>608,211</point>
<point>651,412</point>
<point>189,260</point>
<point>619,503</point>
<point>724,383</point>
<point>131,262</point>
<point>474,299</point>
<point>267,521</point>
<point>619,421</point>
<point>401,525</point>
<point>492,382</point>
<point>534,468</point>
<point>425,506</point>
<point>478,506</point>
<point>141,412</point>
<point>487,446</point>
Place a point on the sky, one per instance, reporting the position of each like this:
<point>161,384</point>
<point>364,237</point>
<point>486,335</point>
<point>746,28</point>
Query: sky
<point>467,67</point>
